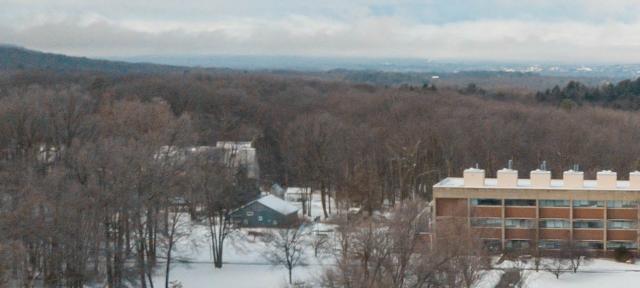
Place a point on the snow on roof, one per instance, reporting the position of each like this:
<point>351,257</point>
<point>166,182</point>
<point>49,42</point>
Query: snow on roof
<point>539,171</point>
<point>277,204</point>
<point>234,145</point>
<point>296,190</point>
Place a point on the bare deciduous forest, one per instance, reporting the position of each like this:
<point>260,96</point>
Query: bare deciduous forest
<point>85,194</point>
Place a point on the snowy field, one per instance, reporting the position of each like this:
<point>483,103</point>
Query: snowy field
<point>597,273</point>
<point>243,267</point>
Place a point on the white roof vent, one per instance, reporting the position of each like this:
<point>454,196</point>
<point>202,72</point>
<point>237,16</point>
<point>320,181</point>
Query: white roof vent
<point>473,177</point>
<point>507,178</point>
<point>634,180</point>
<point>607,179</point>
<point>540,178</point>
<point>573,178</point>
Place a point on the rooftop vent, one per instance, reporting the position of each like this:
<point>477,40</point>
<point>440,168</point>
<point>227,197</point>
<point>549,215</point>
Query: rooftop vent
<point>540,178</point>
<point>508,177</point>
<point>573,178</point>
<point>474,177</point>
<point>634,180</point>
<point>607,179</point>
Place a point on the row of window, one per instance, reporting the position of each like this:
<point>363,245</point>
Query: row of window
<point>552,223</point>
<point>493,244</point>
<point>554,203</point>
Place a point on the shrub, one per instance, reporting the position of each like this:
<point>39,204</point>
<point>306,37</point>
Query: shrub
<point>622,254</point>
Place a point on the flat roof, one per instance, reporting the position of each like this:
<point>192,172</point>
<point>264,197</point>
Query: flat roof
<point>458,182</point>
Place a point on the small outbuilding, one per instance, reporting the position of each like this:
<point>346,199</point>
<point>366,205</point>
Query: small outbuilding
<point>268,211</point>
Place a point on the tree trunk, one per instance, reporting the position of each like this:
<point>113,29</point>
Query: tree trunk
<point>218,260</point>
<point>168,268</point>
<point>323,194</point>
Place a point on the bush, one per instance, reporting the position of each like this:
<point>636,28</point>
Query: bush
<point>622,254</point>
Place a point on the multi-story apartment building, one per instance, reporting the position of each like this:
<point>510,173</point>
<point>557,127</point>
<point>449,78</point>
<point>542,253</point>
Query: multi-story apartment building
<point>512,213</point>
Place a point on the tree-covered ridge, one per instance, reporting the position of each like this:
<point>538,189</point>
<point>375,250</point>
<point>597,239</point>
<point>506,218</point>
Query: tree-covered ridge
<point>623,95</point>
<point>17,58</point>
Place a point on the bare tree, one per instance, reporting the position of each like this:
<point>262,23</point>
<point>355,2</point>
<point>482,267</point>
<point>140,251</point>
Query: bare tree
<point>286,247</point>
<point>177,229</point>
<point>212,181</point>
<point>556,264</point>
<point>467,259</point>
<point>516,275</point>
<point>576,255</point>
<point>319,242</point>
<point>389,252</point>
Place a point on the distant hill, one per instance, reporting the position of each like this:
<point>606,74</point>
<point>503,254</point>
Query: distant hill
<point>14,58</point>
<point>395,72</point>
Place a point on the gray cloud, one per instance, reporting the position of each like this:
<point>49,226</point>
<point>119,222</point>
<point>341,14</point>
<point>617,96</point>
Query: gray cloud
<point>126,30</point>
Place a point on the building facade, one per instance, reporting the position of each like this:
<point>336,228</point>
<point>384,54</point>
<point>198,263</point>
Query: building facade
<point>268,211</point>
<point>511,213</point>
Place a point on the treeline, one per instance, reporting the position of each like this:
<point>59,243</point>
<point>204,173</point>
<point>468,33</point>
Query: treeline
<point>84,197</point>
<point>313,132</point>
<point>89,187</point>
<point>623,95</point>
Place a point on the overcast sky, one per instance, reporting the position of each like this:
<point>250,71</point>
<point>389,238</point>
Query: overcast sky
<point>502,30</point>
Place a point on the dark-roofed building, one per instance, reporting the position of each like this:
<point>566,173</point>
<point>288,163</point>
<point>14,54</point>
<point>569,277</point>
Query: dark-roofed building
<point>268,211</point>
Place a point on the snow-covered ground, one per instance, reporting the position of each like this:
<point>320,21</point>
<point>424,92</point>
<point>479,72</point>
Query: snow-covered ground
<point>244,265</point>
<point>316,206</point>
<point>596,273</point>
<point>599,273</point>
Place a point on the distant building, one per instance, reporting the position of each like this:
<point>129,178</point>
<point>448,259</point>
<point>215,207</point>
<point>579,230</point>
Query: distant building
<point>543,213</point>
<point>240,154</point>
<point>234,154</point>
<point>277,190</point>
<point>296,194</point>
<point>268,211</point>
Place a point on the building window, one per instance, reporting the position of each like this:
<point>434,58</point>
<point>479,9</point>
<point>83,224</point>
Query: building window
<point>621,224</point>
<point>519,202</point>
<point>517,244</point>
<point>486,222</point>
<point>275,222</point>
<point>518,223</point>
<point>588,224</point>
<point>249,213</point>
<point>554,203</point>
<point>486,202</point>
<point>260,218</point>
<point>591,245</point>
<point>622,204</point>
<point>612,245</point>
<point>492,245</point>
<point>555,224</point>
<point>587,204</point>
<point>550,244</point>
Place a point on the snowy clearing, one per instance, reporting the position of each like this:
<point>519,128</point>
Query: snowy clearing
<point>596,273</point>
<point>244,264</point>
